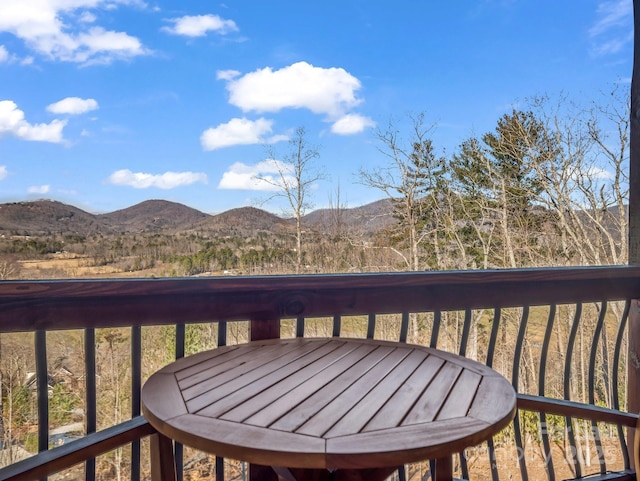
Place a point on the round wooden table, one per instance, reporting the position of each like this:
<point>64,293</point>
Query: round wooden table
<point>350,408</point>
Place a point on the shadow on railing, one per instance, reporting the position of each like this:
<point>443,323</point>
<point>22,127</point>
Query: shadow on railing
<point>560,336</point>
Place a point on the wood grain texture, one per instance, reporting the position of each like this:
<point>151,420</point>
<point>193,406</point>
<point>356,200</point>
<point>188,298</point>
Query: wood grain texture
<point>330,403</point>
<point>163,467</point>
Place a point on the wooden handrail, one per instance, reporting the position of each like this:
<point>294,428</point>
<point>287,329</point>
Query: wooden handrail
<point>575,410</point>
<point>45,305</point>
<point>54,460</point>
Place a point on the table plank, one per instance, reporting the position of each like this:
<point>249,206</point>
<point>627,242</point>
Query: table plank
<point>162,397</point>
<point>199,359</point>
<point>298,414</point>
<point>357,418</point>
<point>396,408</point>
<point>461,396</point>
<point>297,387</point>
<point>198,370</point>
<point>207,392</point>
<point>275,410</point>
<point>400,445</point>
<point>246,401</point>
<point>492,400</point>
<point>350,398</point>
<point>429,404</point>
<point>250,443</point>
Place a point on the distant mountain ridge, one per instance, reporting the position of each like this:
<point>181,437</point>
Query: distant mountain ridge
<point>46,217</point>
<point>153,215</point>
<point>245,221</point>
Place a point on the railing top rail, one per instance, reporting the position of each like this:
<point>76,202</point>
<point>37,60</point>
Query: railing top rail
<point>67,304</point>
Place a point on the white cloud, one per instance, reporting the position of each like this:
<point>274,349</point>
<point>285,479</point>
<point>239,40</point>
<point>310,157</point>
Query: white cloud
<point>87,17</point>
<point>226,74</point>
<point>612,14</point>
<point>239,132</point>
<point>53,29</point>
<point>613,29</point>
<point>4,55</point>
<point>39,189</point>
<point>12,122</point>
<point>351,124</point>
<point>168,180</point>
<point>613,45</point>
<point>329,91</point>
<point>3,172</point>
<point>263,176</point>
<point>199,25</point>
<point>72,106</point>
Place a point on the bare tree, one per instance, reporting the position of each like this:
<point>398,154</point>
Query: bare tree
<point>583,179</point>
<point>410,181</point>
<point>8,270</point>
<point>296,176</point>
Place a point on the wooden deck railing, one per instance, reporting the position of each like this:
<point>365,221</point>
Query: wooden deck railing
<point>559,335</point>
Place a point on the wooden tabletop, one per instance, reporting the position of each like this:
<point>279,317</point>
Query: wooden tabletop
<point>328,403</point>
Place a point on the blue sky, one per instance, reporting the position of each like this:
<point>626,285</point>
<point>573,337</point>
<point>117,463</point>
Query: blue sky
<point>107,103</point>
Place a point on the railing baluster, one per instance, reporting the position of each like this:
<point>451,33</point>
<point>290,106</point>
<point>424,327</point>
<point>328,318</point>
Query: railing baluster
<point>622,328</point>
<point>219,468</point>
<point>222,333</point>
<point>136,385</point>
<point>337,326</point>
<point>42,387</point>
<point>90,394</point>
<point>592,377</point>
<point>494,336</point>
<point>515,381</point>
<point>371,326</point>
<point>466,330</point>
<point>541,388</point>
<point>497,312</point>
<point>435,330</point>
<point>178,448</point>
<point>404,327</point>
<point>300,327</point>
<point>567,387</point>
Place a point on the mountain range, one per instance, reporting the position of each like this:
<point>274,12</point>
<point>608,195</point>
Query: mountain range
<point>47,217</point>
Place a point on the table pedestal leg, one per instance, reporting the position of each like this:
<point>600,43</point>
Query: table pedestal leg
<point>294,474</point>
<point>163,465</point>
<point>258,472</point>
<point>444,469</point>
<point>377,474</point>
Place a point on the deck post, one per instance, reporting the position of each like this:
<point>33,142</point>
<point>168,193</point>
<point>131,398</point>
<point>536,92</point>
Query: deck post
<point>260,329</point>
<point>633,388</point>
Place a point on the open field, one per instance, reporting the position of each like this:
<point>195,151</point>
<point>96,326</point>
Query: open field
<point>74,266</point>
